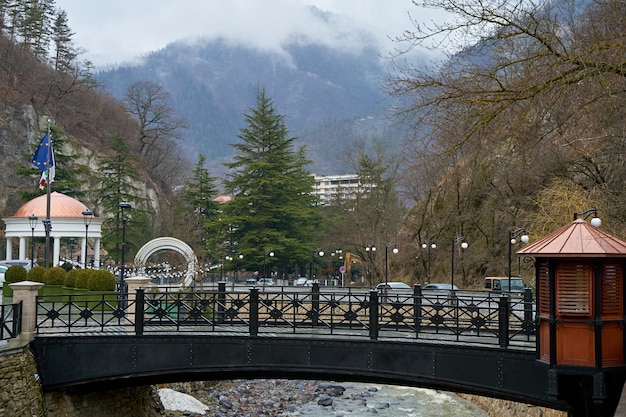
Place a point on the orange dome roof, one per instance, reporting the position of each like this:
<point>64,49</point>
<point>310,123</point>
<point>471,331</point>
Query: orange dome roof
<point>61,205</point>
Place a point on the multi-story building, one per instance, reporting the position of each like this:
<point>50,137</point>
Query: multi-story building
<point>330,187</point>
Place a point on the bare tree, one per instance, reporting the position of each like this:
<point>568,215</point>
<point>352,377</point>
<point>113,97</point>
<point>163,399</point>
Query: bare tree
<point>157,126</point>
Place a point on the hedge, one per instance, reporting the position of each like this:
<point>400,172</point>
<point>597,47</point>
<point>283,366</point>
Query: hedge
<point>55,276</point>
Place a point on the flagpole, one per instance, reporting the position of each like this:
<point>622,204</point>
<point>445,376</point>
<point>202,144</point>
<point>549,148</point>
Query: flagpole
<point>48,189</point>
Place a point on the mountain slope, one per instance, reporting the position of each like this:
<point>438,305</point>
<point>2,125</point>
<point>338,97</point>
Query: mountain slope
<point>321,91</point>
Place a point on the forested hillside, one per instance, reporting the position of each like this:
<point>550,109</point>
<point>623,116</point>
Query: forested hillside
<point>100,159</point>
<point>526,127</point>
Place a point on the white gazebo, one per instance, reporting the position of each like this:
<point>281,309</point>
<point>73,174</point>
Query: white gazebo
<point>68,219</point>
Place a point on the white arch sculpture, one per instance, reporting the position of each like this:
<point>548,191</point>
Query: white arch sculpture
<point>168,243</point>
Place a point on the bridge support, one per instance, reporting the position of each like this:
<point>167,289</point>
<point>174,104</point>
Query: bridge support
<point>26,293</point>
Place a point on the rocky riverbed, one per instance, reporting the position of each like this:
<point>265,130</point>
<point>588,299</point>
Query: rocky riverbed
<point>265,398</point>
<point>287,398</point>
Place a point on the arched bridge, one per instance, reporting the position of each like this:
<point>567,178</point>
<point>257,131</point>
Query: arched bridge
<point>477,343</point>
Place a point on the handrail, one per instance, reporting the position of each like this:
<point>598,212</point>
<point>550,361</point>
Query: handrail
<point>477,318</point>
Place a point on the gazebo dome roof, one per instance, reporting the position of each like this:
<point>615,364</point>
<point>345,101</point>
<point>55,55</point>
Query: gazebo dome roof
<point>61,206</point>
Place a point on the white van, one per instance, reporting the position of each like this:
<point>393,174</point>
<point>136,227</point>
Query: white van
<point>501,284</point>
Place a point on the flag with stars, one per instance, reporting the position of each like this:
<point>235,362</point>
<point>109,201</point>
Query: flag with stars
<point>43,159</point>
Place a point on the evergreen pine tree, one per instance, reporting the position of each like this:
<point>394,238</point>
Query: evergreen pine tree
<point>200,209</point>
<point>273,207</point>
<point>65,53</point>
<point>117,176</point>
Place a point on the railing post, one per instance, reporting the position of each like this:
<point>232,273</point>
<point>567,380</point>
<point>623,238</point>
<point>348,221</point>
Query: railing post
<point>503,321</point>
<point>221,301</point>
<point>254,311</point>
<point>139,311</point>
<point>25,292</point>
<point>16,328</point>
<point>134,284</point>
<point>528,311</point>
<point>374,315</point>
<point>417,308</point>
<point>315,303</point>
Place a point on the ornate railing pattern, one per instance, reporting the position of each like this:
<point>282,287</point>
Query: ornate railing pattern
<point>480,318</point>
<point>10,320</point>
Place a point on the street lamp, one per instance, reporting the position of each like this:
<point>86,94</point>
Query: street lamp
<point>337,252</point>
<point>513,235</point>
<point>370,249</point>
<point>595,221</point>
<point>429,246</point>
<point>124,205</point>
<point>271,255</point>
<point>32,220</point>
<point>395,250</point>
<point>459,241</point>
<point>87,217</point>
<point>320,252</point>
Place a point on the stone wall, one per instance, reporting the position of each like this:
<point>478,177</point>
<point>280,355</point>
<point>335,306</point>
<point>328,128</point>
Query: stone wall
<point>135,401</point>
<point>20,390</point>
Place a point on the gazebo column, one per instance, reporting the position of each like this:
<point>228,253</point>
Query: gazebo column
<point>9,252</point>
<point>56,252</point>
<point>22,252</point>
<point>96,254</point>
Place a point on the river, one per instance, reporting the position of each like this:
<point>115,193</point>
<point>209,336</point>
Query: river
<point>360,400</point>
<point>297,398</point>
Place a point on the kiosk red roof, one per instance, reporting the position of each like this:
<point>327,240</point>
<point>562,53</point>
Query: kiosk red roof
<point>577,239</point>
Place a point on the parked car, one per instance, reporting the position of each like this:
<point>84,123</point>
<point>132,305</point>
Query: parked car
<point>501,284</point>
<point>393,286</point>
<point>305,282</point>
<point>3,269</point>
<point>22,262</point>
<point>251,281</point>
<point>440,286</point>
<point>265,281</point>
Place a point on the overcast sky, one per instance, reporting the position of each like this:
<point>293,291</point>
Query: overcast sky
<point>118,31</point>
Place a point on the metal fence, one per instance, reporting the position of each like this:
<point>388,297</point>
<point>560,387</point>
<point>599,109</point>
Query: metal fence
<point>445,317</point>
<point>10,320</point>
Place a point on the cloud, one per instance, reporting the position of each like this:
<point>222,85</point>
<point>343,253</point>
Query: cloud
<point>117,31</point>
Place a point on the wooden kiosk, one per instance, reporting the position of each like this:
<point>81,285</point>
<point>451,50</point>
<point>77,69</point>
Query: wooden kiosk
<point>580,307</point>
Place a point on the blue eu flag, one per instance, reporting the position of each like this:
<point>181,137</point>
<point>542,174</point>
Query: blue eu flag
<point>43,152</point>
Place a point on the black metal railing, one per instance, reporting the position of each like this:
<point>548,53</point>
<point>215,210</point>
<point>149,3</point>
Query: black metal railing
<point>480,318</point>
<point>11,320</point>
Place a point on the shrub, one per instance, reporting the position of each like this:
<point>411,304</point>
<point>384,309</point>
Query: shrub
<point>36,274</point>
<point>55,276</point>
<point>15,273</point>
<point>71,277</point>
<point>82,278</point>
<point>101,280</point>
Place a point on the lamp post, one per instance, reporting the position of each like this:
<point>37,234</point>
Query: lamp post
<point>320,252</point>
<point>395,250</point>
<point>429,246</point>
<point>337,252</point>
<point>370,249</point>
<point>271,255</point>
<point>71,245</point>
<point>32,220</point>
<point>513,235</point>
<point>124,205</point>
<point>459,241</point>
<point>87,217</point>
